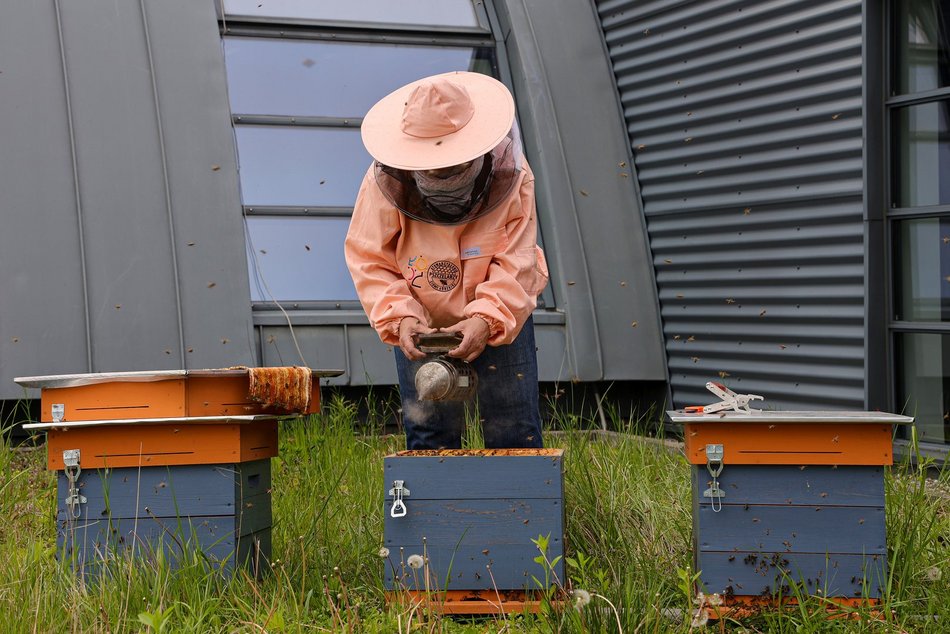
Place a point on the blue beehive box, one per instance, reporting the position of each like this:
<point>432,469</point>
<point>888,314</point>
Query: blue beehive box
<point>475,515</point>
<point>789,503</point>
<point>222,512</point>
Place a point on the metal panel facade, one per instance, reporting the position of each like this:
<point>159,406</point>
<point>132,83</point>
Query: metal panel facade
<point>122,243</point>
<point>587,204</point>
<point>745,120</point>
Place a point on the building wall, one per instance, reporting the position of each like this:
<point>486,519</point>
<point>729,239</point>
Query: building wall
<point>588,205</point>
<point>745,121</point>
<point>122,243</point>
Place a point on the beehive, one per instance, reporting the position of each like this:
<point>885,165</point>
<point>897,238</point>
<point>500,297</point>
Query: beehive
<point>171,461</point>
<point>789,502</point>
<point>476,517</point>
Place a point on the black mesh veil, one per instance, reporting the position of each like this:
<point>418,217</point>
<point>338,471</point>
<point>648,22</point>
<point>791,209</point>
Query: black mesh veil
<point>493,184</point>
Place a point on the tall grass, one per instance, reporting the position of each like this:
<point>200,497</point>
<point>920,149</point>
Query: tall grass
<point>627,544</point>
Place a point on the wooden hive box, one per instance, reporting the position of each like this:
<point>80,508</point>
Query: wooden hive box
<point>475,516</point>
<point>172,417</point>
<point>799,501</point>
<point>223,511</point>
<point>170,460</point>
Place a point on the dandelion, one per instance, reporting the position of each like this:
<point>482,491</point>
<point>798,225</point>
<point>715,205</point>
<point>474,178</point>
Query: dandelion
<point>384,552</point>
<point>415,561</point>
<point>933,574</point>
<point>581,599</point>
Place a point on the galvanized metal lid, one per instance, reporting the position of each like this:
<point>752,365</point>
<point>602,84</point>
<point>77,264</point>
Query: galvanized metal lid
<point>770,416</point>
<point>75,380</point>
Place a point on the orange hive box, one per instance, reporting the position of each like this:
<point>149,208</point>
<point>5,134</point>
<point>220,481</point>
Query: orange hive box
<point>174,417</point>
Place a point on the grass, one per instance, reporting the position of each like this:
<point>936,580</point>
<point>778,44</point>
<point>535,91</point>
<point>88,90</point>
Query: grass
<point>628,549</point>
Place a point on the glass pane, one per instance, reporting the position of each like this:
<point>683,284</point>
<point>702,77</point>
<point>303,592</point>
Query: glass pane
<point>923,45</point>
<point>332,79</point>
<point>923,389</point>
<point>922,143</point>
<point>300,166</point>
<point>922,270</point>
<point>298,259</point>
<point>424,12</point>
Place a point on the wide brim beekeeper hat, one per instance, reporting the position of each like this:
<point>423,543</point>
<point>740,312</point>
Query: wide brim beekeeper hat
<point>439,121</point>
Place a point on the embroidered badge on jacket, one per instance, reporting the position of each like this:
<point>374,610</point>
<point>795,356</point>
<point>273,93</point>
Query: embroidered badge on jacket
<point>443,275</point>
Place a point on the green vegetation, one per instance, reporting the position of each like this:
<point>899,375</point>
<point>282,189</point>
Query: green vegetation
<point>628,524</point>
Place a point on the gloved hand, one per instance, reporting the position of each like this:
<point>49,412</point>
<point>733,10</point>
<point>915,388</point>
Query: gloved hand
<point>475,333</point>
<point>409,327</point>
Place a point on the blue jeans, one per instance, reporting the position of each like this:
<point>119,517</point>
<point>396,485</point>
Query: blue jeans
<point>507,400</point>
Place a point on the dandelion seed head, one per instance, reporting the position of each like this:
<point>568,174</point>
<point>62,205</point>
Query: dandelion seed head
<point>581,598</point>
<point>384,552</point>
<point>415,561</point>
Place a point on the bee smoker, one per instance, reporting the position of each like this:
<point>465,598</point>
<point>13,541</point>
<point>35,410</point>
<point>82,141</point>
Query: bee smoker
<point>442,378</point>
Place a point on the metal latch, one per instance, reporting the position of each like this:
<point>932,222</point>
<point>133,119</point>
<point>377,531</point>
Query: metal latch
<point>59,412</point>
<point>73,497</point>
<point>398,492</point>
<point>714,455</point>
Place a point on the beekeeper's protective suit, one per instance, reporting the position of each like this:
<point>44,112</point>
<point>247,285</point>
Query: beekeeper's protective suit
<point>443,236</point>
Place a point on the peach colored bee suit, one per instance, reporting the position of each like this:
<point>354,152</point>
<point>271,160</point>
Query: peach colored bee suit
<point>489,267</point>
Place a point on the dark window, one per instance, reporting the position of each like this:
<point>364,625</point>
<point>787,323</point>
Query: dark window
<point>922,269</point>
<point>922,46</point>
<point>922,154</point>
<point>923,381</point>
<point>918,117</point>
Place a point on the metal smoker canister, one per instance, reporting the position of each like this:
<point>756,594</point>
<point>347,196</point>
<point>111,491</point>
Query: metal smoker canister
<point>442,379</point>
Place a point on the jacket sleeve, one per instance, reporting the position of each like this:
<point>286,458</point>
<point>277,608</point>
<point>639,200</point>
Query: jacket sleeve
<point>370,249</point>
<point>517,275</point>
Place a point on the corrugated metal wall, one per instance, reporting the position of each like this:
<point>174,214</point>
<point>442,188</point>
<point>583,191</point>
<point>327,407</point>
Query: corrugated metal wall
<point>745,123</point>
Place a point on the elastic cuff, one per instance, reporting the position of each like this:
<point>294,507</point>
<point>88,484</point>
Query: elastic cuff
<point>391,327</point>
<point>494,326</point>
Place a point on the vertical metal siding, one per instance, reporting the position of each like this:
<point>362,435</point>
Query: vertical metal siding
<point>587,204</point>
<point>122,246</point>
<point>41,298</point>
<point>745,120</point>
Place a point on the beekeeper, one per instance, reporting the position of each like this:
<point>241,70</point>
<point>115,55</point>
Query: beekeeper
<point>444,238</point>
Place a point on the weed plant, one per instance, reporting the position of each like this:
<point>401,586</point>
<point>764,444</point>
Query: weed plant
<point>628,548</point>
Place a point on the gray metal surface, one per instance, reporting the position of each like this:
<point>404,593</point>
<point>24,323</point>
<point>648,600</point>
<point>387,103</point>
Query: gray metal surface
<point>249,418</point>
<point>145,376</point>
<point>745,120</point>
<point>122,247</point>
<point>343,339</point>
<point>784,417</point>
<point>587,204</point>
